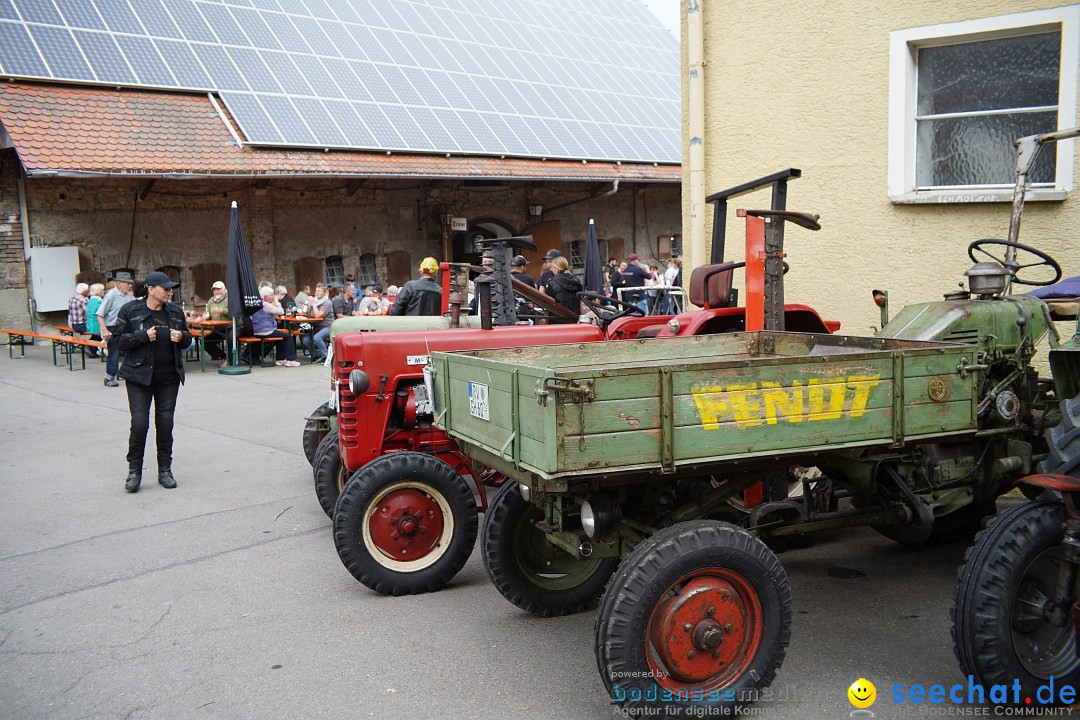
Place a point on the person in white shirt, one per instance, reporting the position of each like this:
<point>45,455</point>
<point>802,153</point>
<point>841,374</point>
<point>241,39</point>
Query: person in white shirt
<point>374,303</point>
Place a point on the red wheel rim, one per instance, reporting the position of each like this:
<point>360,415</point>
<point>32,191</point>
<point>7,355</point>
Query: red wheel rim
<point>704,631</point>
<point>405,524</point>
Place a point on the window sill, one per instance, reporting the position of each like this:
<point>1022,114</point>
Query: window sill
<point>953,197</point>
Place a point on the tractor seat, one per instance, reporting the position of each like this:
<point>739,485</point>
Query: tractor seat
<point>713,292</point>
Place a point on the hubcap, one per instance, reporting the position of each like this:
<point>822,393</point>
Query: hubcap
<point>409,526</point>
<point>704,631</point>
<point>1044,649</point>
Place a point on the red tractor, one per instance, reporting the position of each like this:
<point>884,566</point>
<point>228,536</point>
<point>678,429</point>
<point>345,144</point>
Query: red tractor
<point>403,495</point>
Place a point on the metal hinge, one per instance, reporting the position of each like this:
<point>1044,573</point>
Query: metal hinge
<point>582,390</point>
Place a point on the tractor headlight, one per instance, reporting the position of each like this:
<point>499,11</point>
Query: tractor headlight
<point>359,382</point>
<point>599,516</point>
<point>673,326</point>
<point>526,493</point>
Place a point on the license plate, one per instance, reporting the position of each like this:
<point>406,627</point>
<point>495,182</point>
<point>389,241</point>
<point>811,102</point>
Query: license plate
<point>478,401</point>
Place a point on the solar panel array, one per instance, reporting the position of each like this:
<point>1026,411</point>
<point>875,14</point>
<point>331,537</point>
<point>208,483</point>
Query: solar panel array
<point>535,78</point>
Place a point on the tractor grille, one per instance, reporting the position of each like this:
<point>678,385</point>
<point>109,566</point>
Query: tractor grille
<point>346,404</point>
<point>967,337</point>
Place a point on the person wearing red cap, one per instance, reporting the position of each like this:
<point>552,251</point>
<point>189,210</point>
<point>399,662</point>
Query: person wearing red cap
<point>635,276</point>
<point>153,334</point>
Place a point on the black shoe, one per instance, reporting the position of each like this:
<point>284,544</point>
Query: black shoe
<point>166,479</point>
<point>109,382</point>
<point>134,479</point>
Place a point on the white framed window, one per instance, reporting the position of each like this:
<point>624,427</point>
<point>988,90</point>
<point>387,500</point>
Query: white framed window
<point>960,94</point>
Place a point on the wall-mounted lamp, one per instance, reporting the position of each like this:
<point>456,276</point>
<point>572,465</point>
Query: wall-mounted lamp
<point>536,211</point>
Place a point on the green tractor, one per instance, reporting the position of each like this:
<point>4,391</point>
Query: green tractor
<point>626,461</point>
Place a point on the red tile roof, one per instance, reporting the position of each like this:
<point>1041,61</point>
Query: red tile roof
<point>82,130</point>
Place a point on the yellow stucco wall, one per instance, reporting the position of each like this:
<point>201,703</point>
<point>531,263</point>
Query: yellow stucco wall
<point>806,85</point>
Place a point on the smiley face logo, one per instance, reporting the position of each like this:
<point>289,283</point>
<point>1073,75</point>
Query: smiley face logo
<point>862,693</point>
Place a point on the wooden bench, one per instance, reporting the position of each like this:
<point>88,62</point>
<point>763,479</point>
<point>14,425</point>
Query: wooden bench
<point>65,343</point>
<point>71,342</point>
<point>68,331</point>
<point>248,342</point>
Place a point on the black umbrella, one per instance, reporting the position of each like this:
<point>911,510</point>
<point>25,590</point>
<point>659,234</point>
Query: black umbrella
<point>594,265</point>
<point>244,298</point>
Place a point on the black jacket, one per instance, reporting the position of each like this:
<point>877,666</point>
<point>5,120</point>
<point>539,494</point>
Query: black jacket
<point>418,297</point>
<point>563,288</point>
<point>130,331</point>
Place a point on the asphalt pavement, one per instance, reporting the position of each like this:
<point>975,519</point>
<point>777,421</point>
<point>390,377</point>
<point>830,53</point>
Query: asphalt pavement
<point>225,598</point>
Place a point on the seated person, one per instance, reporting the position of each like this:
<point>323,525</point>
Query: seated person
<point>264,324</point>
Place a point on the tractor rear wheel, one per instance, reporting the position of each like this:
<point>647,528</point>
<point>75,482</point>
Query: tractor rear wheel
<point>528,570</point>
<point>1000,630</point>
<point>313,435</point>
<point>330,474</point>
<point>405,523</point>
<point>702,610</point>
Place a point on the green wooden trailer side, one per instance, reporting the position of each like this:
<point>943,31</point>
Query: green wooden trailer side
<point>611,410</point>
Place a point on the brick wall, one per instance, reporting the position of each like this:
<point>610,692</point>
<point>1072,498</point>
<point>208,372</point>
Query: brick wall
<point>185,222</point>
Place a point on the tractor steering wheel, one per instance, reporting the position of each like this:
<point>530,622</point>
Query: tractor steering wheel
<point>597,302</point>
<point>1014,266</point>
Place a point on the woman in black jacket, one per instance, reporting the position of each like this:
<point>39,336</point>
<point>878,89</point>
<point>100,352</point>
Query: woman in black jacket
<point>563,287</point>
<point>153,335</point>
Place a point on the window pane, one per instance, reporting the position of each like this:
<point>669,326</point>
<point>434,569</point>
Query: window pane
<point>991,75</point>
<point>979,150</point>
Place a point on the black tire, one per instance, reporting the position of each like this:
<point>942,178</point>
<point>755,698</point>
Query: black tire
<point>330,474</point>
<point>312,435</point>
<point>719,558</point>
<point>529,571</point>
<point>404,483</point>
<point>1012,561</point>
<point>329,440</point>
<point>1064,440</point>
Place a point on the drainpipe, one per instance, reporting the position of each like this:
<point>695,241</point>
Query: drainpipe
<point>695,51</point>
<point>614,189</point>
<point>24,221</point>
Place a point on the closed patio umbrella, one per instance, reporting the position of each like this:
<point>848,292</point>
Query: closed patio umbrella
<point>244,296</point>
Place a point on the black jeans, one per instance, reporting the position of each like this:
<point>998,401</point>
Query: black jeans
<point>164,398</point>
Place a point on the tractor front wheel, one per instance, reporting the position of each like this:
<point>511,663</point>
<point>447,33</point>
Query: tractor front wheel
<point>314,430</point>
<point>698,615</point>
<point>528,570</point>
<point>405,524</point>
<point>330,474</point>
<point>1007,624</point>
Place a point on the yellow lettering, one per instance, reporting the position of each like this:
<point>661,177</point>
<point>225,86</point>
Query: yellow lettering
<point>711,403</point>
<point>862,385</point>
<point>745,405</point>
<point>836,390</point>
<point>782,403</point>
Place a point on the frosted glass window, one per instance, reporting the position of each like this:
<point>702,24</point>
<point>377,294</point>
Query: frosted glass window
<point>974,99</point>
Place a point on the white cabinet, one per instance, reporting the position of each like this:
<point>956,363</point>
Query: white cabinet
<point>53,270</point>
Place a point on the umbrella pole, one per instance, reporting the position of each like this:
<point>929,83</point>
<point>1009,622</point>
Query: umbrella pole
<point>234,367</point>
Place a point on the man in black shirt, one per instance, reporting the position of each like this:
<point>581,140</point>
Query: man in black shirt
<point>153,333</point>
<point>422,296</point>
<point>634,276</point>
<point>517,270</point>
<point>547,272</point>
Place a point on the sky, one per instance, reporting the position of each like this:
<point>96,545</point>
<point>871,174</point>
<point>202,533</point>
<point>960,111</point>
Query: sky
<point>668,12</point>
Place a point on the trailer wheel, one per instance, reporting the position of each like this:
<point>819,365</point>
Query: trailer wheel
<point>405,523</point>
<point>330,474</point>
<point>312,434</point>
<point>528,570</point>
<point>702,610</point>
<point>1000,629</point>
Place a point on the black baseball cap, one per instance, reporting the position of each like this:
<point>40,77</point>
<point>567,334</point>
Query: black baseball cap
<point>552,254</point>
<point>159,279</point>
<point>519,261</point>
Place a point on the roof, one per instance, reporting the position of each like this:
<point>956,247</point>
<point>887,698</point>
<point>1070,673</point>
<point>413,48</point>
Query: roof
<point>78,130</point>
<point>551,79</point>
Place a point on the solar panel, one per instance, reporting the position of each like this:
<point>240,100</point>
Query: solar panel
<point>535,78</point>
